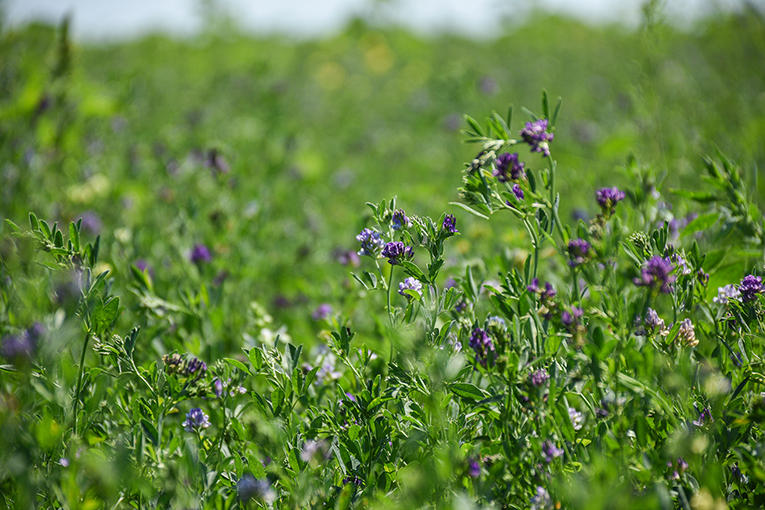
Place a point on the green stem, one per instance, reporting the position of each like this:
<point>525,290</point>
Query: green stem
<point>79,378</point>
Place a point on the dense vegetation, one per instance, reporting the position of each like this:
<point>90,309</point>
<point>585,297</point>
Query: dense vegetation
<point>201,312</point>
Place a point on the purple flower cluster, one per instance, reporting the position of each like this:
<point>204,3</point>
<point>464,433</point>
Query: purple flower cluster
<point>400,221</point>
<point>545,295</point>
<point>22,347</point>
<point>654,323</point>
<point>704,416</point>
<point>322,311</point>
<point>541,500</point>
<point>535,134</point>
<point>550,451</point>
<point>686,334</point>
<point>410,284</point>
<point>474,468</point>
<point>396,252</point>
<point>571,319</point>
<point>449,224</point>
<point>749,287</point>
<point>200,254</point>
<point>196,419</point>
<point>481,343</point>
<point>371,243</point>
<point>656,274</point>
<point>538,377</point>
<point>608,198</point>
<point>509,162</point>
<point>518,192</point>
<point>184,365</point>
<point>579,252</point>
<point>678,468</point>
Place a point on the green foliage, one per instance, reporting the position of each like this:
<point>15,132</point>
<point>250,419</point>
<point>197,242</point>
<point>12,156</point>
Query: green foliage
<point>167,349</point>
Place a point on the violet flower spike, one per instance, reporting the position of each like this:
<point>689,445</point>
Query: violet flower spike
<point>656,274</point>
<point>749,287</point>
<point>535,134</point>
<point>508,162</point>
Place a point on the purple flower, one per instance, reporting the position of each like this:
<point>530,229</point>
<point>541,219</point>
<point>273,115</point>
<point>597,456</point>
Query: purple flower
<point>218,388</point>
<point>200,254</point>
<point>749,287</point>
<point>704,416</point>
<point>194,364</point>
<point>535,134</point>
<point>518,192</point>
<point>534,287</point>
<point>572,319</point>
<point>550,451</point>
<point>400,221</point>
<point>196,419</point>
<point>656,274</point>
<point>396,252</point>
<point>541,500</point>
<point>371,243</point>
<point>608,198</point>
<point>481,343</point>
<point>539,377</point>
<point>509,162</point>
<point>410,284</point>
<point>653,322</point>
<point>142,266</point>
<point>216,162</point>
<point>22,347</point>
<point>579,251</point>
<point>249,487</point>
<point>545,295</point>
<point>725,294</point>
<point>449,224</point>
<point>91,222</point>
<point>322,311</point>
<point>686,334</point>
<point>347,258</point>
<point>474,468</point>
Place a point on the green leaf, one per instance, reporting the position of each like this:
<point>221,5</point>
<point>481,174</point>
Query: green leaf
<point>13,226</point>
<point>106,315</point>
<point>150,430</point>
<point>238,364</point>
<point>474,124</point>
<point>414,271</point>
<point>353,432</point>
<point>697,196</point>
<point>700,224</point>
<point>468,391</point>
<point>469,209</point>
<point>74,236</point>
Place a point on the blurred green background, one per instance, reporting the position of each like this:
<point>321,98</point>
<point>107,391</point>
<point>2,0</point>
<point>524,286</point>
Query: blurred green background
<point>266,149</point>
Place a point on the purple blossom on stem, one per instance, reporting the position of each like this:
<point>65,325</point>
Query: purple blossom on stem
<point>550,451</point>
<point>347,257</point>
<point>474,468</point>
<point>653,322</point>
<point>518,192</point>
<point>196,419</point>
<point>541,500</point>
<point>396,252</point>
<point>608,198</point>
<point>449,224</point>
<point>535,134</point>
<point>704,416</point>
<point>725,294</point>
<point>400,221</point>
<point>322,311</point>
<point>538,377</point>
<point>200,254</point>
<point>410,284</point>
<point>579,251</point>
<point>656,274</point>
<point>509,162</point>
<point>572,319</point>
<point>749,287</point>
<point>481,343</point>
<point>371,243</point>
<point>686,334</point>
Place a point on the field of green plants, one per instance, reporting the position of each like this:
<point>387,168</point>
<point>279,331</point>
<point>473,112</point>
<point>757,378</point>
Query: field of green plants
<point>379,270</point>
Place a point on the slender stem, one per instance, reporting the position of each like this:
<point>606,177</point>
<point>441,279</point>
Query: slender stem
<point>79,377</point>
<point>390,285</point>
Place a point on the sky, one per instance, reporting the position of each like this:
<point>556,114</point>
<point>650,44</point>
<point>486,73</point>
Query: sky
<point>109,20</point>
